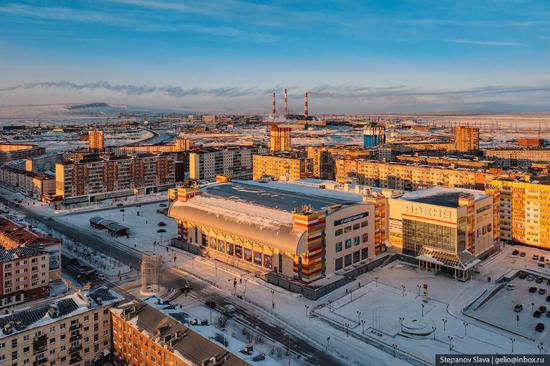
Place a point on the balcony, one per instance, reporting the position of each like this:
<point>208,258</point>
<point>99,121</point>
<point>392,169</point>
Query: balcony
<point>75,326</point>
<point>75,359</point>
<point>75,337</point>
<point>40,362</point>
<point>74,349</point>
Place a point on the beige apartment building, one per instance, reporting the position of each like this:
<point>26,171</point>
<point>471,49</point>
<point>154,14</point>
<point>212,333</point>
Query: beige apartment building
<point>234,162</point>
<point>288,167</point>
<point>73,330</point>
<point>10,152</point>
<point>524,211</point>
<point>99,177</point>
<point>323,157</point>
<point>279,139</point>
<point>410,177</point>
<point>96,141</point>
<point>35,185</point>
<point>518,156</point>
<point>466,139</point>
<point>24,275</point>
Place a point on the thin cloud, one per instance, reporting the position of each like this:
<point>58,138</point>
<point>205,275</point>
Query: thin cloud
<point>486,43</point>
<point>145,23</point>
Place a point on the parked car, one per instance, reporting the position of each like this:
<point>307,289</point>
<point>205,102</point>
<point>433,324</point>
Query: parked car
<point>530,277</point>
<point>162,223</point>
<point>548,314</point>
<point>161,231</point>
<point>518,308</point>
<point>532,289</point>
<point>101,276</point>
<point>510,287</point>
<point>542,291</point>
<point>548,298</point>
<point>229,309</point>
<point>522,254</point>
<point>539,279</point>
<point>535,257</point>
<point>541,264</point>
<point>536,314</point>
<point>522,275</point>
<point>119,205</point>
<point>539,327</point>
<point>541,259</point>
<point>515,252</point>
<point>542,309</point>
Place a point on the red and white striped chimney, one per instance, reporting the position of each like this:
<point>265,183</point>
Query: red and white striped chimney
<point>285,102</point>
<point>306,105</point>
<point>273,110</point>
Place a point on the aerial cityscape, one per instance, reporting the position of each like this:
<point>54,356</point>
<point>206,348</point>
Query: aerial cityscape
<point>249,183</point>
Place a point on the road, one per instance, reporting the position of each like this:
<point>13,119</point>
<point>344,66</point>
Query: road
<point>173,278</point>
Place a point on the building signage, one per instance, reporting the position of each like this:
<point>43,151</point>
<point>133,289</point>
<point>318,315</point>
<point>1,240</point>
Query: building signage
<point>350,218</point>
<point>433,212</point>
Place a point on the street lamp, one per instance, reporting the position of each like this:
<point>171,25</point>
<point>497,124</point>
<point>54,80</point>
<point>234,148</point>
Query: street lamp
<point>358,316</point>
<point>433,330</point>
<point>513,340</point>
<point>465,327</point>
<point>422,309</point>
<point>350,295</point>
<point>272,297</point>
<point>328,340</point>
<point>403,288</point>
<point>540,347</point>
<point>419,286</point>
<point>376,281</point>
<point>444,323</point>
<point>363,321</point>
<point>450,343</point>
<point>347,328</point>
<point>307,308</point>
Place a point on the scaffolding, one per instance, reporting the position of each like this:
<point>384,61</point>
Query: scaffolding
<point>150,273</point>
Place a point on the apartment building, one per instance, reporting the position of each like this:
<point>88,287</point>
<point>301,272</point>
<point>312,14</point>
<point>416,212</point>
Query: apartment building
<point>287,166</point>
<point>279,139</point>
<point>13,235</point>
<point>97,177</point>
<point>466,139</point>
<point>24,275</point>
<point>73,330</point>
<point>524,210</point>
<point>234,162</point>
<point>323,157</point>
<point>35,185</point>
<point>96,141</point>
<point>144,335</point>
<point>9,152</point>
<point>445,229</point>
<point>410,177</point>
<point>181,144</point>
<point>507,157</point>
<point>453,162</point>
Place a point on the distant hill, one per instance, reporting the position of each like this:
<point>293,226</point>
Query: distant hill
<point>88,106</point>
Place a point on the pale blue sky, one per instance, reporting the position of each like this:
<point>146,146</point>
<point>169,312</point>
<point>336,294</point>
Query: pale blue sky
<point>228,55</point>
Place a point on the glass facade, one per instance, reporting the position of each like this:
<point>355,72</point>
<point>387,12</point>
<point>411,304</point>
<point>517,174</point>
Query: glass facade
<point>418,235</point>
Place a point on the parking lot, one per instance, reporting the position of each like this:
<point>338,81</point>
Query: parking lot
<point>518,306</point>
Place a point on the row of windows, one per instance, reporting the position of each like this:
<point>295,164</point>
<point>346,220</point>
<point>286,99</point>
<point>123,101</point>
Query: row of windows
<point>257,258</point>
<point>349,259</point>
<point>356,241</point>
<point>350,228</point>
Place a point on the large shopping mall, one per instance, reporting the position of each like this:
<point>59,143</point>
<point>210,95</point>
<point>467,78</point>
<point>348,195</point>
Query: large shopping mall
<point>300,232</point>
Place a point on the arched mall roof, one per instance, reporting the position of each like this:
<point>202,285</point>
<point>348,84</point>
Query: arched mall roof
<point>278,235</point>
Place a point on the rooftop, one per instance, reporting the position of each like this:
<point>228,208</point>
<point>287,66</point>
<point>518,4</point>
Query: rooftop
<point>281,195</point>
<point>40,315</point>
<point>442,196</point>
<point>17,253</point>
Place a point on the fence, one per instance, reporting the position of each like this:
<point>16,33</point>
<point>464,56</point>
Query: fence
<point>314,293</point>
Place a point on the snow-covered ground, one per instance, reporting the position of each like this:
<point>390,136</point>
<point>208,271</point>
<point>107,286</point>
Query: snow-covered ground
<point>380,306</point>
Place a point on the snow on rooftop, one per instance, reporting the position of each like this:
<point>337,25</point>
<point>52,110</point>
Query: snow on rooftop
<point>308,189</point>
<point>241,211</point>
<point>437,191</point>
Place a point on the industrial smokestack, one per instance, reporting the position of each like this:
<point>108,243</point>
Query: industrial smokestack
<point>306,105</point>
<point>273,110</point>
<point>285,102</point>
